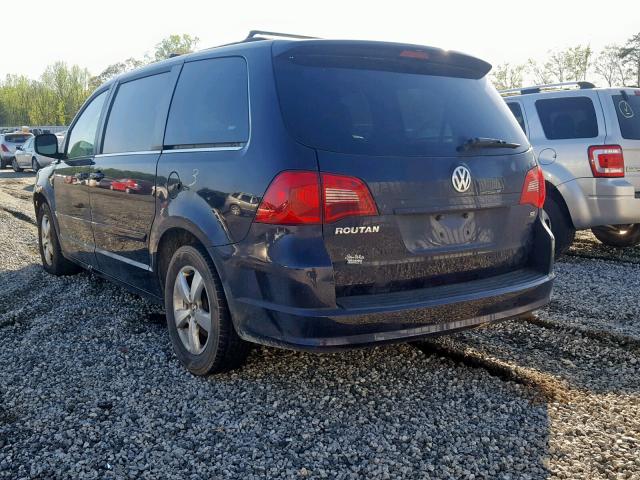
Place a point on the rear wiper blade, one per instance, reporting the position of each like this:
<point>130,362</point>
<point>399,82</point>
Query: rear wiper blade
<point>480,142</point>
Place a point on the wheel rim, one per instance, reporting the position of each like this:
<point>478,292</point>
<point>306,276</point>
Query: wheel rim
<point>191,310</point>
<point>34,165</point>
<point>45,238</point>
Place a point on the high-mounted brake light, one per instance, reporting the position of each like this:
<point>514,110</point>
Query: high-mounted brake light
<point>533,190</point>
<point>306,198</point>
<point>419,54</point>
<point>606,161</point>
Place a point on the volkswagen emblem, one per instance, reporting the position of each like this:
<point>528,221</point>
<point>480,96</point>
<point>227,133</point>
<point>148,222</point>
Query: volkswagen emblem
<point>461,179</point>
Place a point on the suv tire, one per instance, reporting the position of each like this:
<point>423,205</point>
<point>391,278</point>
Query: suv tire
<point>560,225</point>
<point>52,259</point>
<point>15,166</point>
<point>35,166</point>
<point>610,235</point>
<point>194,301</point>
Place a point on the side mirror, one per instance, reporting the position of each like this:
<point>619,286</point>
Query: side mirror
<point>46,144</point>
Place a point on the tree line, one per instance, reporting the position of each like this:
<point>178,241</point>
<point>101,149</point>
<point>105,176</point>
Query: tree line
<point>614,65</point>
<point>55,97</point>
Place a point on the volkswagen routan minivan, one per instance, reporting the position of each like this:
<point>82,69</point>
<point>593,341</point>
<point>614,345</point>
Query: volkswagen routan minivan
<point>395,196</point>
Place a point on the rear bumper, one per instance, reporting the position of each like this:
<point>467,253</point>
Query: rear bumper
<point>601,201</point>
<point>300,320</point>
<point>402,316</point>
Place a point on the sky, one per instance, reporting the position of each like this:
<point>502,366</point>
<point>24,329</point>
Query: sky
<point>96,34</point>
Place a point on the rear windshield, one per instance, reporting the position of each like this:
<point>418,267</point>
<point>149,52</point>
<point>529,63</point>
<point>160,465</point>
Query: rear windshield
<point>382,111</point>
<point>17,138</point>
<point>628,111</point>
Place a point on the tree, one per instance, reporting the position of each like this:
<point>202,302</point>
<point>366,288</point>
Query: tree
<point>569,65</point>
<point>609,65</point>
<point>630,55</point>
<point>506,76</point>
<point>115,69</point>
<point>175,45</point>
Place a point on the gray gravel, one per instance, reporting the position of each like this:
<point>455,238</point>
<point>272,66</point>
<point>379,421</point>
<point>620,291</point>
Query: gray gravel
<point>89,387</point>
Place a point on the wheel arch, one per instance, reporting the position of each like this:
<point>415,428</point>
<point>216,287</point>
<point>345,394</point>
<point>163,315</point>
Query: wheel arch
<point>555,194</point>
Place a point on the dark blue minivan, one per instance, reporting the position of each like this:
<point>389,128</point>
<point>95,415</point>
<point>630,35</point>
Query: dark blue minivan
<point>307,194</point>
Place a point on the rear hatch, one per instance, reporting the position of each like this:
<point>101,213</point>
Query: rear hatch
<point>13,140</point>
<point>398,117</point>
<point>625,130</point>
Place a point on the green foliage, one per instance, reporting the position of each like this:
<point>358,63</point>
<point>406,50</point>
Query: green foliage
<point>175,45</point>
<point>630,55</point>
<point>569,65</point>
<point>506,76</point>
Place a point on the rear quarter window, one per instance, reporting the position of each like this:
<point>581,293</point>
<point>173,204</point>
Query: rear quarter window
<point>566,118</point>
<point>628,112</point>
<point>210,105</point>
<point>517,112</point>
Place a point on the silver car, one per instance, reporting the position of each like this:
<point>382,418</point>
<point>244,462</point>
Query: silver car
<point>587,141</point>
<point>8,144</point>
<point>26,157</point>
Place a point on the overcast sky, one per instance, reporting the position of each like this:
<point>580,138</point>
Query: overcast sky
<point>94,34</point>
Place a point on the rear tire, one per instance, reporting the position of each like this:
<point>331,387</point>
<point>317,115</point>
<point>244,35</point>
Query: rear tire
<point>611,235</point>
<point>50,253</point>
<point>15,166</point>
<point>35,166</point>
<point>560,225</point>
<point>194,301</point>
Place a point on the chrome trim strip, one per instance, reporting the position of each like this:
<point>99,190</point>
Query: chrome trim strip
<point>204,149</point>
<point>123,259</point>
<point>145,152</point>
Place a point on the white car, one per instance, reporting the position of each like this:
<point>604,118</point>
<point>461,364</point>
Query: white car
<point>26,157</point>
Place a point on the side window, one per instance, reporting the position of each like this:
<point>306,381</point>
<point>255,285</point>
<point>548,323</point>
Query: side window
<point>136,120</point>
<point>210,104</point>
<point>83,134</point>
<point>569,117</point>
<point>517,112</point>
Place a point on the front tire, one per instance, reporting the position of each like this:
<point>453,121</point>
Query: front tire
<point>50,253</point>
<point>198,319</point>
<point>560,225</point>
<point>620,236</point>
<point>15,166</point>
<point>35,166</point>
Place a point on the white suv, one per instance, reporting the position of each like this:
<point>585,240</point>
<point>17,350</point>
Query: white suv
<point>587,141</point>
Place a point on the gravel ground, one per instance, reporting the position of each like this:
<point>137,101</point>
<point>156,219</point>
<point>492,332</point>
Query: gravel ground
<point>89,387</point>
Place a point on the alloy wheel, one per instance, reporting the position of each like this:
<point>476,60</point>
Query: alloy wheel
<point>192,310</point>
<point>45,237</point>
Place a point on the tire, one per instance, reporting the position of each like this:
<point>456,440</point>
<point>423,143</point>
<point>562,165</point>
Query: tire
<point>50,253</point>
<point>15,166</point>
<point>235,210</point>
<point>611,235</point>
<point>191,305</point>
<point>35,166</point>
<point>561,226</point>
<point>2,165</point>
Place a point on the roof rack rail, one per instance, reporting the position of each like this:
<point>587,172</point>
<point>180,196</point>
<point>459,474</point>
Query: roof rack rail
<point>549,86</point>
<point>256,34</point>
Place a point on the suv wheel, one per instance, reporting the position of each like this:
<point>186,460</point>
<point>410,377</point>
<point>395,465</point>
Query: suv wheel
<point>15,166</point>
<point>35,166</point>
<point>198,318</point>
<point>618,235</point>
<point>52,259</point>
<point>560,226</point>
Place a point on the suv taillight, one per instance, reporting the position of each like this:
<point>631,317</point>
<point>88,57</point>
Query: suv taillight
<point>606,161</point>
<point>304,198</point>
<point>533,190</point>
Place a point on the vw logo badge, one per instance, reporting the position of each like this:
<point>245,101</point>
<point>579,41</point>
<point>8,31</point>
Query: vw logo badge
<point>461,179</point>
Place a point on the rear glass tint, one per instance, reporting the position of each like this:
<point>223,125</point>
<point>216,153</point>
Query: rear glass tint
<point>210,104</point>
<point>628,111</point>
<point>328,105</point>
<point>517,112</point>
<point>568,117</point>
<point>17,138</point>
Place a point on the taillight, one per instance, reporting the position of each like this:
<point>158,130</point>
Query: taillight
<point>303,198</point>
<point>4,148</point>
<point>533,190</point>
<point>606,161</point>
<point>345,197</point>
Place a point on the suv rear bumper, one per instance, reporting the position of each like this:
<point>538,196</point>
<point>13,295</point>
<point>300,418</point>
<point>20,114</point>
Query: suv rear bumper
<point>389,317</point>
<point>401,316</point>
<point>601,201</point>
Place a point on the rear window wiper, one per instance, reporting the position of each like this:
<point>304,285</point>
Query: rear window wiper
<point>480,142</point>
